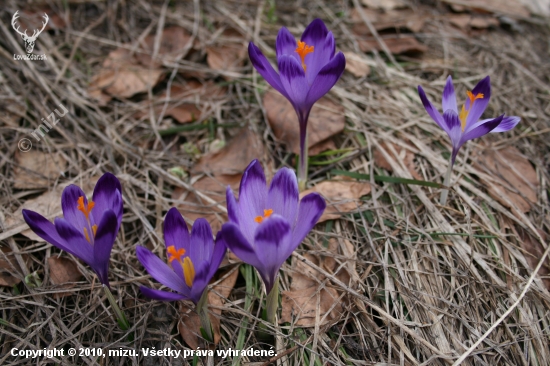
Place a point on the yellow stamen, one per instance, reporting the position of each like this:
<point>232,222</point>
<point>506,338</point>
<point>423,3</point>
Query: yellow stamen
<point>87,236</point>
<point>267,213</point>
<point>464,112</point>
<point>302,50</point>
<point>188,271</point>
<point>85,209</point>
<point>94,229</point>
<point>175,254</point>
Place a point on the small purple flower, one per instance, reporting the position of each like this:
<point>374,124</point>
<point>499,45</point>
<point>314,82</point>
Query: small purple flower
<point>308,69</point>
<point>466,125</point>
<point>266,226</point>
<point>193,259</point>
<point>88,228</point>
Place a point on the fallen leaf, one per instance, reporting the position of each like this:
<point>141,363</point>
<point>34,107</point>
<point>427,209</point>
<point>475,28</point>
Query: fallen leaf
<point>513,9</point>
<point>407,20</point>
<point>10,271</point>
<point>325,120</point>
<point>356,64</point>
<point>35,169</point>
<point>516,179</point>
<point>403,154</point>
<point>234,157</point>
<point>63,271</point>
<point>11,111</point>
<point>172,42</point>
<point>189,324</point>
<point>468,21</point>
<point>228,53</point>
<point>384,4</point>
<point>534,254</point>
<point>342,196</point>
<point>322,146</point>
<point>398,44</point>
<point>121,76</point>
<point>193,206</point>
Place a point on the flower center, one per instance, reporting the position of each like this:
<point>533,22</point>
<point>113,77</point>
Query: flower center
<point>186,263</point>
<point>267,213</point>
<point>86,209</point>
<point>303,49</point>
<point>464,112</point>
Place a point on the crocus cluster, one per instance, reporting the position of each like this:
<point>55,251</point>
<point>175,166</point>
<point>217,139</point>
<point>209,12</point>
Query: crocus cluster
<point>308,69</point>
<point>465,125</point>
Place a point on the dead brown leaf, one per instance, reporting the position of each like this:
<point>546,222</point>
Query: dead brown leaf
<point>172,42</point>
<point>398,44</point>
<point>63,271</point>
<point>193,206</point>
<point>228,53</point>
<point>121,76</point>
<point>356,64</point>
<point>512,9</point>
<point>516,178</point>
<point>10,271</point>
<point>391,20</point>
<point>234,157</point>
<point>325,120</point>
<point>342,196</point>
<point>384,4</point>
<point>468,21</point>
<point>11,111</point>
<point>35,169</point>
<point>189,324</point>
<point>403,154</point>
<point>534,254</point>
<point>318,148</point>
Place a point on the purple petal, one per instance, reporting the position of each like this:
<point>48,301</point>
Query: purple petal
<point>293,80</point>
<point>479,105</point>
<point>252,198</point>
<point>220,248</point>
<point>161,295</point>
<point>175,230</point>
<point>285,44</point>
<point>76,242</point>
<point>320,57</point>
<point>238,244</point>
<point>282,197</point>
<point>449,96</point>
<point>482,129</point>
<point>160,271</point>
<point>69,204</point>
<point>326,78</point>
<point>507,124</point>
<point>455,128</point>
<point>200,282</point>
<point>434,113</point>
<point>274,246</point>
<point>103,244</point>
<point>202,242</point>
<point>265,69</point>
<point>232,207</point>
<point>107,196</point>
<point>315,34</point>
<point>44,229</point>
<point>310,210</point>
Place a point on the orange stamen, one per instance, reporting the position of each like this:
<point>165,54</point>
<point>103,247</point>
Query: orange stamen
<point>87,236</point>
<point>85,209</point>
<point>175,254</point>
<point>188,271</point>
<point>474,97</point>
<point>94,229</point>
<point>302,50</point>
<point>464,112</point>
<point>267,213</point>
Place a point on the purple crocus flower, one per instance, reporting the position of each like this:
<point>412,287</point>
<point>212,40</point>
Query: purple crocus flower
<point>88,228</point>
<point>193,259</point>
<point>267,225</point>
<point>465,125</point>
<point>308,69</point>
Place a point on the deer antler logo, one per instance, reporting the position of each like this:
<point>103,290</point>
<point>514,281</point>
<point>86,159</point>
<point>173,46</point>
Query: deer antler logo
<point>29,41</point>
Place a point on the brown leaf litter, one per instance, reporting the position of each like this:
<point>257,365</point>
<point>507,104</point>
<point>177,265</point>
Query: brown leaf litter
<point>35,169</point>
<point>63,272</point>
<point>228,52</point>
<point>10,272</point>
<point>404,155</point>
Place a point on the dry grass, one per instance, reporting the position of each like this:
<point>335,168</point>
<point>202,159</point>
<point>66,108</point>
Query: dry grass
<point>416,294</point>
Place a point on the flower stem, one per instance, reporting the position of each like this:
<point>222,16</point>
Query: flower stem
<point>446,182</point>
<point>302,166</point>
<point>120,317</point>
<point>202,310</point>
<point>272,302</point>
